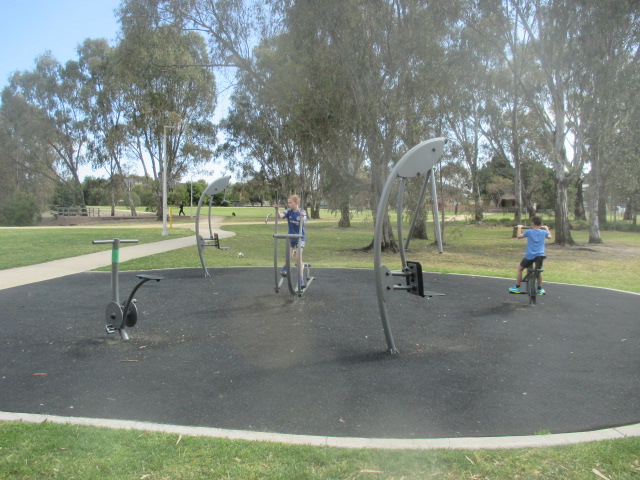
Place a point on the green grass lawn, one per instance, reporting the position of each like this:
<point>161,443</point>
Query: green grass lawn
<point>468,249</point>
<point>28,246</point>
<point>50,451</point>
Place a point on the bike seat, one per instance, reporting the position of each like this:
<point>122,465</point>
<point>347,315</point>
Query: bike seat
<point>538,261</point>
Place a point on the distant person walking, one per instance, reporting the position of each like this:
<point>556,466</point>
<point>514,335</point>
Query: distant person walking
<point>181,212</point>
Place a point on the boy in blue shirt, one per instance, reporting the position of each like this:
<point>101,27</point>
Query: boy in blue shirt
<point>294,216</point>
<point>535,236</point>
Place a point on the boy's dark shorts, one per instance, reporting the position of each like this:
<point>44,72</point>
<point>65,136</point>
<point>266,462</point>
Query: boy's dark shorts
<point>525,263</point>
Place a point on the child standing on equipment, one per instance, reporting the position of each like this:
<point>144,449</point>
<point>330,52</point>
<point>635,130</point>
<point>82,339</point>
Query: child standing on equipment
<point>535,236</point>
<point>294,216</point>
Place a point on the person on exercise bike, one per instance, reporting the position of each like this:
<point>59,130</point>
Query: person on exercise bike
<point>295,215</point>
<point>536,237</point>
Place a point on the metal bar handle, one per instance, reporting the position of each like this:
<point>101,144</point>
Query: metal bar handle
<point>100,242</point>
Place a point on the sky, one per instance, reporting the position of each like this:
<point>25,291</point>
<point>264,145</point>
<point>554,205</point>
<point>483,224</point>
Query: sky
<point>28,28</point>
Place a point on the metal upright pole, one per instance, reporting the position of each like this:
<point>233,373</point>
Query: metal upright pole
<point>115,260</point>
<point>399,209</point>
<point>436,214</point>
<point>165,232</point>
<point>423,192</point>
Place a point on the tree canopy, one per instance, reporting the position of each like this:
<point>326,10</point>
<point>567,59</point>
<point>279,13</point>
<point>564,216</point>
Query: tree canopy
<point>324,97</point>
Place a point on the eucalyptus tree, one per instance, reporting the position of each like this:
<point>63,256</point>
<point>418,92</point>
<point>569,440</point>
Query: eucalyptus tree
<point>49,103</point>
<point>464,102</point>
<point>106,109</point>
<point>170,94</point>
<point>27,162</point>
<point>514,79</point>
<point>26,182</point>
<point>607,71</point>
<point>261,135</point>
<point>321,35</point>
<point>382,52</point>
<point>552,26</point>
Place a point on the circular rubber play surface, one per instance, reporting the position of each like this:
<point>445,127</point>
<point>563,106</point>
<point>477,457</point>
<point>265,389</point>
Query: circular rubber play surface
<point>229,352</point>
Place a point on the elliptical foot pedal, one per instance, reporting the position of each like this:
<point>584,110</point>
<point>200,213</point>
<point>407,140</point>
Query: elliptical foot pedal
<point>110,329</point>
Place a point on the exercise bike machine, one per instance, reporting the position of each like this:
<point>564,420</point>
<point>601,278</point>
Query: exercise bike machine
<point>124,315</point>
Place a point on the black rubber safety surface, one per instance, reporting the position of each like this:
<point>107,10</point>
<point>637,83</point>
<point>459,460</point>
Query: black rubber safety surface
<point>229,352</point>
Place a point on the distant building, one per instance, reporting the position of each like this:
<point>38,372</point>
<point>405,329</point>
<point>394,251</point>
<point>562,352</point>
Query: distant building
<point>507,200</point>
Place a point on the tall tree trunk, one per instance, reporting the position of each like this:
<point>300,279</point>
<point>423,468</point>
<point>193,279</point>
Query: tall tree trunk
<point>420,227</point>
<point>515,152</point>
<point>478,211</point>
<point>602,202</point>
<point>594,202</point>
<point>315,210</point>
<point>379,175</point>
<point>563,179</point>
<point>562,230</point>
<point>578,209</point>
<point>345,217</point>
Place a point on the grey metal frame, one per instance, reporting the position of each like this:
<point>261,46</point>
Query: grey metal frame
<point>436,223</point>
<point>533,272</point>
<point>418,161</point>
<point>125,315</point>
<point>301,271</point>
<point>214,188</point>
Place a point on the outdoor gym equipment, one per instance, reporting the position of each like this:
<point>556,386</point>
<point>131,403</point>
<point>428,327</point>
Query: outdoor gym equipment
<point>420,160</point>
<point>295,276</point>
<point>214,188</point>
<point>533,272</point>
<point>124,315</point>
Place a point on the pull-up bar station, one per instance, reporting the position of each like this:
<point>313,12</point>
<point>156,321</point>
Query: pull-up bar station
<point>214,188</point>
<point>418,161</point>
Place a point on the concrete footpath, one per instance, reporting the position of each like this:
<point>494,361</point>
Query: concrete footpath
<point>15,277</point>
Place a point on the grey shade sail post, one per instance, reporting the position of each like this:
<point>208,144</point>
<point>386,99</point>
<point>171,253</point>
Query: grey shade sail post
<point>417,161</point>
<point>278,278</point>
<point>436,214</point>
<point>423,192</point>
<point>214,188</point>
<point>399,209</point>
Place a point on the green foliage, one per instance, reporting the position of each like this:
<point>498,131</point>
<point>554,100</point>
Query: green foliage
<point>198,189</point>
<point>619,226</point>
<point>145,195</point>
<point>66,196</point>
<point>21,210</point>
<point>96,191</point>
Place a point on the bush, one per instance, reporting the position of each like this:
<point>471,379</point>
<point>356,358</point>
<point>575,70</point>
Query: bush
<point>21,211</point>
<point>493,222</point>
<point>620,226</point>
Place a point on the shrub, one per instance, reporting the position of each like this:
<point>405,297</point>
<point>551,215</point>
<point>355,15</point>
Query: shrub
<point>22,210</point>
